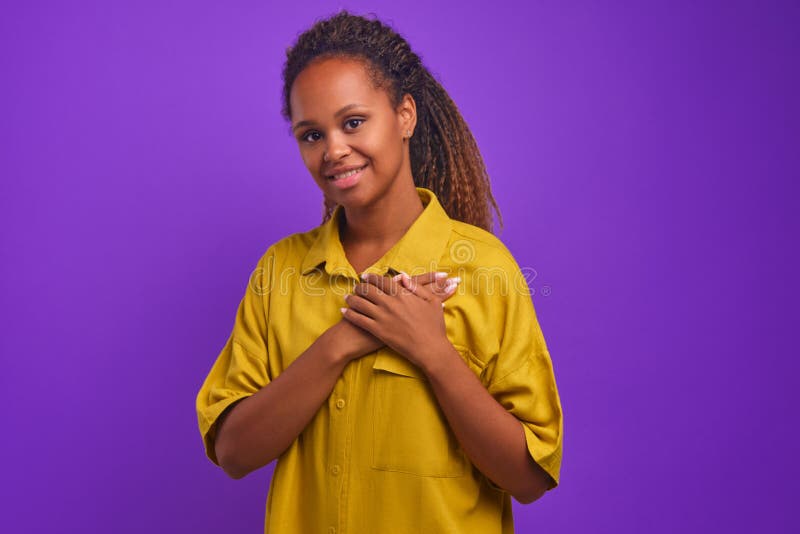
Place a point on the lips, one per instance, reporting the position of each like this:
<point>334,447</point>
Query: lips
<point>347,170</point>
<point>350,180</point>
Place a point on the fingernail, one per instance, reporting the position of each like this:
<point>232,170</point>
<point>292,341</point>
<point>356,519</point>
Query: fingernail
<point>455,279</point>
<point>396,277</point>
<point>346,296</point>
<point>439,275</point>
<point>363,276</point>
<point>449,286</point>
<point>342,310</point>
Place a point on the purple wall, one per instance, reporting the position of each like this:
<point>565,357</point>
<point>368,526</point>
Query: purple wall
<point>644,158</point>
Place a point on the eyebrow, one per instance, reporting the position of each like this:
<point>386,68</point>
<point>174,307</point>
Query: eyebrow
<point>343,110</point>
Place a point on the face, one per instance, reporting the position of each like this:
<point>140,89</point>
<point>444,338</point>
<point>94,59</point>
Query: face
<point>341,122</point>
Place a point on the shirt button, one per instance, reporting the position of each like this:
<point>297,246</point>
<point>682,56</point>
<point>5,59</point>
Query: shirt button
<point>335,470</point>
<point>340,403</point>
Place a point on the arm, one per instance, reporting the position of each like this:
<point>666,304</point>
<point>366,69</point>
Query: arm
<point>492,437</point>
<point>255,430</point>
<point>262,426</point>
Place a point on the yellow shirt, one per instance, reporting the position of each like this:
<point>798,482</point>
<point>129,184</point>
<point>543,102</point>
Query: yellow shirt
<point>379,455</point>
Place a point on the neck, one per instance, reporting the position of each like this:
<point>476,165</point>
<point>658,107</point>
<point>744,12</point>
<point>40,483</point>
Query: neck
<point>383,223</point>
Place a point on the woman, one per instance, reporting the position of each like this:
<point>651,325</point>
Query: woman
<point>393,400</point>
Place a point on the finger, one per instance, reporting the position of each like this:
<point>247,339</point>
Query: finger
<point>437,278</point>
<point>419,290</point>
<point>450,287</point>
<point>437,284</point>
<point>362,305</point>
<point>384,283</point>
<point>369,291</point>
<point>360,320</point>
<point>444,287</point>
<point>441,281</point>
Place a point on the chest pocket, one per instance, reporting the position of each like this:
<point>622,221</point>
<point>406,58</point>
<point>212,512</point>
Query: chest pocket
<point>410,433</point>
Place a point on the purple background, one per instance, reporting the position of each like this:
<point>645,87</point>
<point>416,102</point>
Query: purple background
<point>643,155</point>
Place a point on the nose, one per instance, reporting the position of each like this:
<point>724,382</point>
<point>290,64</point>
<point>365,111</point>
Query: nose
<point>336,148</point>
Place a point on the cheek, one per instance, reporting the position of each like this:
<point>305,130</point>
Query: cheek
<point>381,150</point>
<point>306,153</point>
<point>310,160</point>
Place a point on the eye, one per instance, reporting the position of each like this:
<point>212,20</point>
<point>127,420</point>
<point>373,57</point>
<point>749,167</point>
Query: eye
<point>304,137</point>
<point>350,121</point>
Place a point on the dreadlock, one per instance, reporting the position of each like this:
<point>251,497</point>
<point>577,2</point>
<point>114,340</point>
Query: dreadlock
<point>444,154</point>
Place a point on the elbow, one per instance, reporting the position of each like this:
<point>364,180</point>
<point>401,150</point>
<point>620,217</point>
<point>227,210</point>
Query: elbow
<point>535,490</point>
<point>234,472</point>
<point>231,462</point>
<point>537,483</point>
<point>529,496</point>
<point>233,469</point>
<point>227,459</point>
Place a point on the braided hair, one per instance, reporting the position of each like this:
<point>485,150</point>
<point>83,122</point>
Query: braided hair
<point>444,154</point>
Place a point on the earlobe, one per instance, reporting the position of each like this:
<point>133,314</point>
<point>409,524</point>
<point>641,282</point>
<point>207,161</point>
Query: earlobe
<point>407,115</point>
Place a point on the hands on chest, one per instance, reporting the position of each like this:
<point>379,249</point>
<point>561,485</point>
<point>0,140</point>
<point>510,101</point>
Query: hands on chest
<point>403,312</point>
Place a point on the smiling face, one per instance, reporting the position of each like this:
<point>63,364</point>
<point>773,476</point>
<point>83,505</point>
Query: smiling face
<point>341,121</point>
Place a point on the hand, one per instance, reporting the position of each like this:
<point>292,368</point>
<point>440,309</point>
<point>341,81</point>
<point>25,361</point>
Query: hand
<point>436,282</point>
<point>353,342</point>
<point>357,342</point>
<point>406,315</point>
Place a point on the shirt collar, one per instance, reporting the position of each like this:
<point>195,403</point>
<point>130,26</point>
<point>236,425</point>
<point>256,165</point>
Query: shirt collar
<point>421,246</point>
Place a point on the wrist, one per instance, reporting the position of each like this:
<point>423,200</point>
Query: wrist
<point>438,358</point>
<point>335,344</point>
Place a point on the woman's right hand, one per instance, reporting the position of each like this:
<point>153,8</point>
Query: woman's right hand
<point>356,342</point>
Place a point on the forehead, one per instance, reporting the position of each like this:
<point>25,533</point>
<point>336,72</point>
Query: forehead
<point>324,87</point>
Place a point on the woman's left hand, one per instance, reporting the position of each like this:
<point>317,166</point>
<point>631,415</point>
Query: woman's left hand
<point>406,316</point>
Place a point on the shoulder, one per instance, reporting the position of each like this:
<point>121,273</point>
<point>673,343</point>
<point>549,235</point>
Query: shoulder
<point>488,269</point>
<point>474,245</point>
<point>281,257</point>
<point>290,249</point>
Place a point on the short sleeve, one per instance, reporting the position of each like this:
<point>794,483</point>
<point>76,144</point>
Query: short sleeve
<point>240,369</point>
<point>522,380</point>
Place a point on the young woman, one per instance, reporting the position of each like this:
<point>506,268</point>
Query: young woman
<point>394,401</point>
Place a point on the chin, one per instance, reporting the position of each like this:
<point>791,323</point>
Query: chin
<point>352,199</point>
<point>361,195</point>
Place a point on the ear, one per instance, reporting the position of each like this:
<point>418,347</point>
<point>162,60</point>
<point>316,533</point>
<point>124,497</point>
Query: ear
<point>407,114</point>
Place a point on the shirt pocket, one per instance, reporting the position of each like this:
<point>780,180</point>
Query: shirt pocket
<point>410,433</point>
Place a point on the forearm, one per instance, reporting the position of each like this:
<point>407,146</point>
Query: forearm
<point>261,427</point>
<point>492,437</point>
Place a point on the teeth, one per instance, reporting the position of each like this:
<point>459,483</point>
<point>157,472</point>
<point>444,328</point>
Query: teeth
<point>346,174</point>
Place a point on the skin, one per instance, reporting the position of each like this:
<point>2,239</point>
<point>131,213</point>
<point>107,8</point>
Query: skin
<point>254,431</point>
<point>409,319</point>
<point>380,209</point>
<point>404,313</point>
